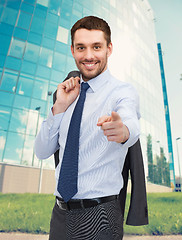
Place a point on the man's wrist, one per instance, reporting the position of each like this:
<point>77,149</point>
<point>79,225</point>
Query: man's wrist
<point>58,108</point>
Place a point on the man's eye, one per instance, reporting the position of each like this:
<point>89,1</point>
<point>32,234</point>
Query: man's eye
<point>97,47</point>
<point>80,48</point>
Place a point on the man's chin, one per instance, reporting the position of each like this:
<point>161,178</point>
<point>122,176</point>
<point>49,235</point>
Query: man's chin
<point>90,75</point>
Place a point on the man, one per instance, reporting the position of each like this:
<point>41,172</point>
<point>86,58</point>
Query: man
<point>87,204</point>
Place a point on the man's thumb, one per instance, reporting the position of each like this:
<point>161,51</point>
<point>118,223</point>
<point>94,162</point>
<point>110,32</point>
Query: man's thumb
<point>115,116</point>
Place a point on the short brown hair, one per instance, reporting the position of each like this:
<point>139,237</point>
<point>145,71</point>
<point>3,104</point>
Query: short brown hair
<point>92,23</point>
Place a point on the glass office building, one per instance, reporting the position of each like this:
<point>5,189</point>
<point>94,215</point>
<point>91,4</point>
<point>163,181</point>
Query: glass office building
<point>35,56</point>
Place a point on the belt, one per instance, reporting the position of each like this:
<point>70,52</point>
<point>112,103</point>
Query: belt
<point>83,203</point>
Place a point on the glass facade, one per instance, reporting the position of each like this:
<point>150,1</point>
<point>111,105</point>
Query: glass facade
<point>35,56</point>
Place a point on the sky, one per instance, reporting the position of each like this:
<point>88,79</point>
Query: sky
<point>168,25</point>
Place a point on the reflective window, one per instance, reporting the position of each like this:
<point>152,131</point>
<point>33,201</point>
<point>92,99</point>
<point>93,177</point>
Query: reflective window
<point>2,61</point>
<point>9,16</point>
<point>31,52</point>
<point>2,143</point>
<point>38,103</point>
<point>43,2</point>
<point>70,64</point>
<point>25,85</point>
<point>20,33</point>
<point>6,29</point>
<point>27,156</point>
<point>48,43</point>
<point>14,147</point>
<point>40,89</point>
<point>43,72</point>
<point>13,63</point>
<point>57,76</point>
<point>50,30</point>
<point>30,1</point>
<point>52,18</point>
<point>17,48</point>
<point>59,61</point>
<point>21,102</point>
<point>55,6</point>
<point>9,81</point>
<point>34,38</point>
<point>14,4</point>
<point>6,99</point>
<point>18,120</point>
<point>62,35</point>
<point>28,67</point>
<point>24,20</point>
<point>32,123</point>
<point>4,116</point>
<point>46,57</point>
<point>27,8</point>
<point>40,12</point>
<point>62,47</point>
<point>4,44</point>
<point>37,25</point>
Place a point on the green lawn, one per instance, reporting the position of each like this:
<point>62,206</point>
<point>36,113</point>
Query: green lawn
<point>31,213</point>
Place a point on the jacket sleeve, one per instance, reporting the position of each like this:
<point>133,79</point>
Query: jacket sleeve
<point>138,212</point>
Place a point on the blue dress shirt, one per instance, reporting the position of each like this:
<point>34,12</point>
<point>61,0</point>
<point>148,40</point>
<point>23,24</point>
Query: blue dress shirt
<point>100,161</point>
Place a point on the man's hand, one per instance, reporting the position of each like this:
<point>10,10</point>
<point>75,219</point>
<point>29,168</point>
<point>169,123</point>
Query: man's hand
<point>67,92</point>
<point>113,128</point>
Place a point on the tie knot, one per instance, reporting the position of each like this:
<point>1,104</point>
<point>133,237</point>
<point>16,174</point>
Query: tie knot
<point>84,86</point>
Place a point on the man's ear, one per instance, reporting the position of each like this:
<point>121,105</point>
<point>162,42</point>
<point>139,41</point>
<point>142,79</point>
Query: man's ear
<point>109,49</point>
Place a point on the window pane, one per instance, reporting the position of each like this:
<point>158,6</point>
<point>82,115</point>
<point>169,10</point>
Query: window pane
<point>21,102</point>
<point>48,43</point>
<point>28,67</point>
<point>52,18</point>
<point>39,103</point>
<point>9,81</point>
<point>28,150</point>
<point>30,1</point>
<point>43,2</point>
<point>14,146</point>
<point>57,76</point>
<point>18,120</point>
<point>24,20</point>
<point>34,38</point>
<point>27,8</point>
<point>2,143</point>
<point>40,89</point>
<point>4,44</point>
<point>17,48</point>
<point>43,72</point>
<point>51,30</point>
<point>46,57</point>
<point>2,61</point>
<point>62,35</point>
<point>9,16</point>
<point>14,4</point>
<point>25,85</point>
<point>59,61</point>
<point>62,47</point>
<point>31,52</point>
<point>6,29</point>
<point>4,116</point>
<point>13,63</point>
<point>37,25</point>
<point>20,33</point>
<point>32,123</point>
<point>40,12</point>
<point>6,99</point>
<point>55,6</point>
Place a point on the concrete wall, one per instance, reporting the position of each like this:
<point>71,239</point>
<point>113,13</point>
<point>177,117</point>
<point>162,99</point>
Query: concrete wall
<point>22,179</point>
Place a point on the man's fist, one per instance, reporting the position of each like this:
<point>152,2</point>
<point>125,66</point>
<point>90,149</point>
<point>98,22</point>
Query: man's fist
<point>113,128</point>
<point>67,92</point>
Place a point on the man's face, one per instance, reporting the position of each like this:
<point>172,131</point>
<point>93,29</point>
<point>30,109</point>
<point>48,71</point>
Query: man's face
<point>90,52</point>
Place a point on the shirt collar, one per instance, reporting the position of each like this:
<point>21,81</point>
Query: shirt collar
<point>97,82</point>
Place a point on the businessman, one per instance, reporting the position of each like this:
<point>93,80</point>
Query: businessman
<point>93,122</point>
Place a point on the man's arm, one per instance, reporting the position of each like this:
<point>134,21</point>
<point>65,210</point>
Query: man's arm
<point>46,142</point>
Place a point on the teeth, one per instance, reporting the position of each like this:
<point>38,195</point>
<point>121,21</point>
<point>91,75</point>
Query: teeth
<point>89,65</point>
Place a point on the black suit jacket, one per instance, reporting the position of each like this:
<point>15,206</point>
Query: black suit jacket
<point>138,212</point>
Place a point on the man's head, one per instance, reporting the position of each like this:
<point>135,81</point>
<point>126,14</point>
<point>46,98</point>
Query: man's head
<point>92,23</point>
<point>91,46</point>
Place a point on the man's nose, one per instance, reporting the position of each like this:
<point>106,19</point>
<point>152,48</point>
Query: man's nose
<point>89,54</point>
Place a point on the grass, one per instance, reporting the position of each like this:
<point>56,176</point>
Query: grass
<point>31,213</point>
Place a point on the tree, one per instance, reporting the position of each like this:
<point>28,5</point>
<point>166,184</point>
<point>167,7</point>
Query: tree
<point>150,158</point>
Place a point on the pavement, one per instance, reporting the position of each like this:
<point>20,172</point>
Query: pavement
<point>23,236</point>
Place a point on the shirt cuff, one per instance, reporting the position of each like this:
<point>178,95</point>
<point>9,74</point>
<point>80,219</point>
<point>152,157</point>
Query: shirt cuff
<point>134,131</point>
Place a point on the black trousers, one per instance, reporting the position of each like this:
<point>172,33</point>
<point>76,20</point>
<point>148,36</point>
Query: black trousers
<point>103,222</point>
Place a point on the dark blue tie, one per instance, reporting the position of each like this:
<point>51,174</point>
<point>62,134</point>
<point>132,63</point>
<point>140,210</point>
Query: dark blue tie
<point>67,183</point>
